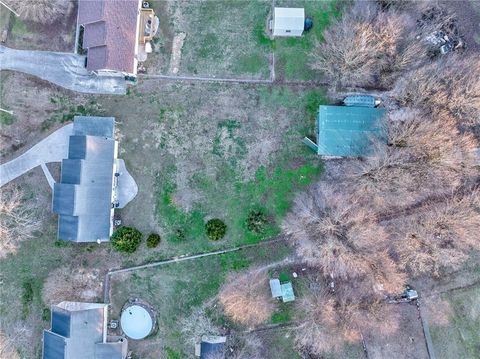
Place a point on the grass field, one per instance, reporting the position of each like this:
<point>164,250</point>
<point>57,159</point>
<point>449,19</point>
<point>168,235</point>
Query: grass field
<point>214,151</point>
<point>174,290</point>
<point>197,151</point>
<point>226,38</point>
<point>458,336</point>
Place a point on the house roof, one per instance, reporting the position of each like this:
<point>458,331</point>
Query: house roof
<point>212,346</point>
<point>348,130</point>
<point>83,197</point>
<point>275,288</point>
<point>110,33</point>
<point>289,18</point>
<point>79,331</point>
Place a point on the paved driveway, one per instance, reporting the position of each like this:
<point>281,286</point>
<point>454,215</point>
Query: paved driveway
<point>53,148</point>
<point>63,69</point>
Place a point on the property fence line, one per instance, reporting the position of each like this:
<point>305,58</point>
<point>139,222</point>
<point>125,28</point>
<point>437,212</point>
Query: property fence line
<point>231,80</point>
<point>178,259</point>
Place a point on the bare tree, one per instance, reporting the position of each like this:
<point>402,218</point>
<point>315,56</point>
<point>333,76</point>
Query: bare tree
<point>332,229</point>
<point>246,297</point>
<point>425,155</point>
<point>18,219</point>
<point>41,11</point>
<point>244,346</point>
<point>441,236</point>
<point>367,47</point>
<point>450,84</point>
<point>332,320</point>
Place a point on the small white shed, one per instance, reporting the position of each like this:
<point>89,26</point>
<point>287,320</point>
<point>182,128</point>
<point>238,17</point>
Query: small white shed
<point>288,21</point>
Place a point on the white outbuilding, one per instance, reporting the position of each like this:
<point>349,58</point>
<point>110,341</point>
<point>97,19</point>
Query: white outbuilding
<point>288,21</point>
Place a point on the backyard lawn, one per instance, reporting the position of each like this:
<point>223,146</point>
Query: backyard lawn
<point>457,336</point>
<point>225,38</point>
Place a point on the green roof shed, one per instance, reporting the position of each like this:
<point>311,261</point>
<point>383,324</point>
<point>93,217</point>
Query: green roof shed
<point>347,131</point>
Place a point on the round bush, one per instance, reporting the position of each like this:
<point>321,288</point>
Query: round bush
<point>126,239</point>
<point>216,229</point>
<point>257,221</point>
<point>153,240</point>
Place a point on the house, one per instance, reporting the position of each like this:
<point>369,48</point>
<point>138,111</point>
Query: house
<point>211,347</point>
<point>115,34</point>
<point>288,21</point>
<point>79,331</point>
<point>84,198</point>
<point>348,131</point>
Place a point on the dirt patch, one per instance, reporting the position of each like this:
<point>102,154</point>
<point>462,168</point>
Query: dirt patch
<point>58,36</point>
<point>72,284</point>
<point>407,342</point>
<point>176,52</point>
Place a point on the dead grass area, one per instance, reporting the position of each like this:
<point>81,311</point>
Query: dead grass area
<point>38,108</point>
<point>57,36</point>
<point>407,342</point>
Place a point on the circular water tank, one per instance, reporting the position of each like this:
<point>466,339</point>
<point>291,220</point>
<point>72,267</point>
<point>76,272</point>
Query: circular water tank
<point>136,322</point>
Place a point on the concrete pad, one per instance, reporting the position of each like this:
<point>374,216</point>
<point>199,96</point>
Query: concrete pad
<point>127,188</point>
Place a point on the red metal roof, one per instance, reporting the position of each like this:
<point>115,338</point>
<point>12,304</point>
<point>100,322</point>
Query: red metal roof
<point>109,33</point>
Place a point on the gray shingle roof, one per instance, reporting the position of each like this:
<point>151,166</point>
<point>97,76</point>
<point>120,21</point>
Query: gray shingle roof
<point>53,346</point>
<point>110,28</point>
<point>85,324</point>
<point>83,198</point>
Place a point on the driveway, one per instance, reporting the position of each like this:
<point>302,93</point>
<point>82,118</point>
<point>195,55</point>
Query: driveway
<point>63,69</point>
<point>53,148</point>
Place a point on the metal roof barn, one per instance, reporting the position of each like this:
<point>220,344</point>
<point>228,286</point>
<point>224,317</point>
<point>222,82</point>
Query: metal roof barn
<point>288,21</point>
<point>347,131</point>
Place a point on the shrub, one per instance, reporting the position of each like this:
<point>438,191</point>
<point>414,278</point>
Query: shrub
<point>153,240</point>
<point>126,239</point>
<point>257,221</point>
<point>216,229</point>
<point>179,234</point>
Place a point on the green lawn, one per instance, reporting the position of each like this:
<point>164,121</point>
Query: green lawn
<point>220,40</point>
<point>214,151</point>
<point>460,338</point>
<point>293,54</point>
<point>229,38</point>
<point>174,290</point>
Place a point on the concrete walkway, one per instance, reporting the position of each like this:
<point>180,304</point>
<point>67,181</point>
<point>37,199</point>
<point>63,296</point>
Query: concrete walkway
<point>53,148</point>
<point>126,189</point>
<point>63,69</point>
